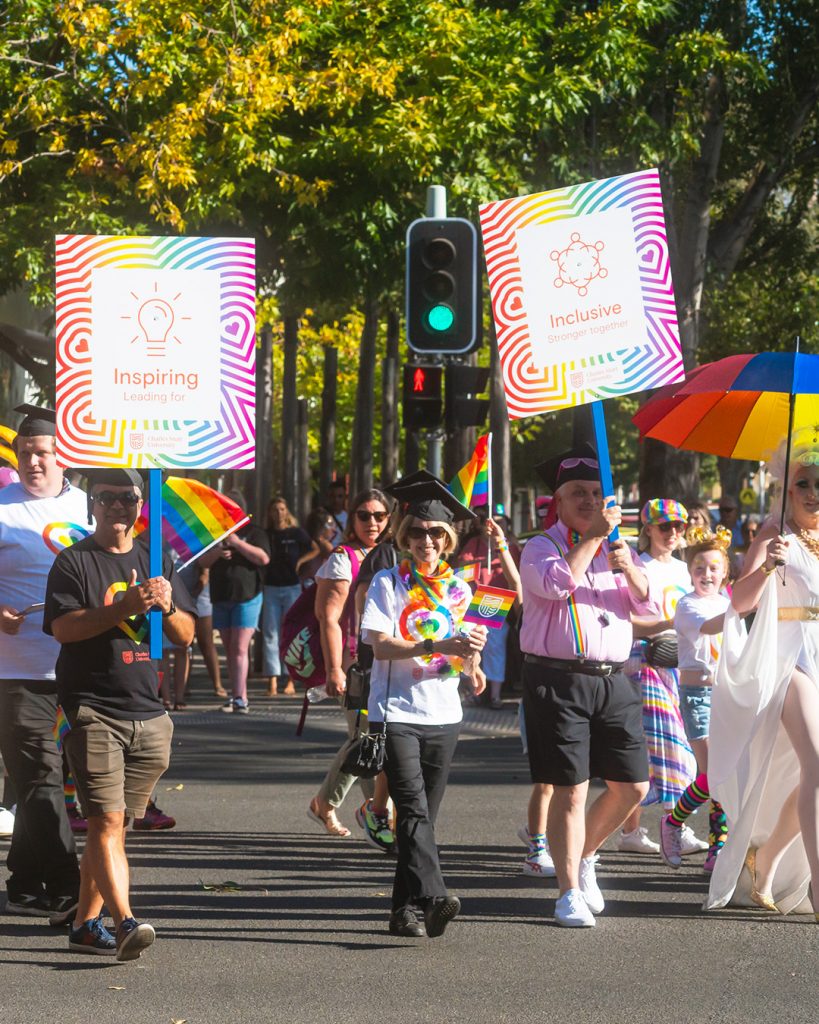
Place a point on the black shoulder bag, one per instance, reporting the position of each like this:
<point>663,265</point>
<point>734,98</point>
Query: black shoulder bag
<point>368,752</point>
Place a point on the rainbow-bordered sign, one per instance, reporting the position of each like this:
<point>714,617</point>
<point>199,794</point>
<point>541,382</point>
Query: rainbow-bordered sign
<point>156,363</point>
<point>581,293</point>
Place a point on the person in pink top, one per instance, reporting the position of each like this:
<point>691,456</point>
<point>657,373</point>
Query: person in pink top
<point>583,715</point>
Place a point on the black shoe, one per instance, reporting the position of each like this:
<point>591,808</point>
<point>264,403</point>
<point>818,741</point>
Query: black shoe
<point>63,909</point>
<point>439,912</point>
<point>406,924</point>
<point>26,905</point>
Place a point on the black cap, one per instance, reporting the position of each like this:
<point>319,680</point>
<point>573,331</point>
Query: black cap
<point>115,478</point>
<point>573,464</point>
<point>38,421</point>
<point>424,496</point>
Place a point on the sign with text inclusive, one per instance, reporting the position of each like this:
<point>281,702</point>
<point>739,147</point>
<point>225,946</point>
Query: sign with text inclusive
<point>581,293</point>
<point>156,351</point>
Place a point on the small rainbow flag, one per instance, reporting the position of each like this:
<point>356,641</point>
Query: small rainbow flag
<point>468,572</point>
<point>61,727</point>
<point>471,484</point>
<point>489,606</point>
<point>194,517</point>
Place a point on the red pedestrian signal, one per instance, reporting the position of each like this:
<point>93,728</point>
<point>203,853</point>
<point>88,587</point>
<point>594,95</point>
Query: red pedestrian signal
<point>418,379</point>
<point>423,403</point>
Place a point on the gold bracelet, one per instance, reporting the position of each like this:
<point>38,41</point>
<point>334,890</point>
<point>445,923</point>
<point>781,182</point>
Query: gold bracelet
<point>767,572</point>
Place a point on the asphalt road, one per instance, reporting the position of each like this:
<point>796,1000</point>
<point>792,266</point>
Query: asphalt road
<point>299,936</point>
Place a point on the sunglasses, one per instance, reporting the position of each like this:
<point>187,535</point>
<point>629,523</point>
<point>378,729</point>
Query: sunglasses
<point>110,498</point>
<point>668,527</point>
<point>364,517</point>
<point>419,532</point>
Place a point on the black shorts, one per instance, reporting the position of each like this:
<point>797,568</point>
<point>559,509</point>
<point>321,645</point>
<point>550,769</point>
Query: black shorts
<point>582,726</point>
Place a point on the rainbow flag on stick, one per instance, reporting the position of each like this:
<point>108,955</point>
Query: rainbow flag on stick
<point>471,484</point>
<point>489,606</point>
<point>194,517</point>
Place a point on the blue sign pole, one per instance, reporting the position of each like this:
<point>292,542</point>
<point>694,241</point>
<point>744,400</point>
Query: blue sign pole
<point>601,443</point>
<point>155,556</point>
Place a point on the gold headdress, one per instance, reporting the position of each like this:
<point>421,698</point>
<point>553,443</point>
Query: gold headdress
<point>703,535</point>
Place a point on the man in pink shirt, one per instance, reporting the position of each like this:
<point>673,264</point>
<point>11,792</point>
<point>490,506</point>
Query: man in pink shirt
<point>583,715</point>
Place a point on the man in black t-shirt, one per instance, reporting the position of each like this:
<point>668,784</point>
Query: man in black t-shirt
<point>98,597</point>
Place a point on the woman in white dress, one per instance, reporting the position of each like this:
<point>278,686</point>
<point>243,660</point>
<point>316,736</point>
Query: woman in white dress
<point>764,761</point>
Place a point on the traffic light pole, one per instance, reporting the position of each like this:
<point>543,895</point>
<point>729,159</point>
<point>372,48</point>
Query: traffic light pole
<point>436,207</point>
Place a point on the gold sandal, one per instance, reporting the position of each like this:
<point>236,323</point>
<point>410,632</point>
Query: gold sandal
<point>762,899</point>
<point>330,822</point>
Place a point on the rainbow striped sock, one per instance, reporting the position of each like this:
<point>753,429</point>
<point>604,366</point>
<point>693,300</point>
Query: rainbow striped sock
<point>693,797</point>
<point>719,826</point>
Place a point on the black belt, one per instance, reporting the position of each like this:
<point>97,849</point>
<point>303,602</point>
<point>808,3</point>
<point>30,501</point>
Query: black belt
<point>583,665</point>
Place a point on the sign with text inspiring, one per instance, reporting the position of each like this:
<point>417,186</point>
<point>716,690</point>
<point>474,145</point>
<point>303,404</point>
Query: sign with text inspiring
<point>156,363</point>
<point>581,293</point>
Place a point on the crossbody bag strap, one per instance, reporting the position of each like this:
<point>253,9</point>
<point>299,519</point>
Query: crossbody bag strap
<point>571,604</point>
<point>389,665</point>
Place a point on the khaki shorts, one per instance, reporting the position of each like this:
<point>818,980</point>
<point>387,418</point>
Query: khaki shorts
<point>116,763</point>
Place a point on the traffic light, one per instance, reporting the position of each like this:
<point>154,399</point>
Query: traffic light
<point>443,286</point>
<point>461,408</point>
<point>423,405</point>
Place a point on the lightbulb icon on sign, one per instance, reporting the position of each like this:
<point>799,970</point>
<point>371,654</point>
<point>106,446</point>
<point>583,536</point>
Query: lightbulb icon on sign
<point>155,317</point>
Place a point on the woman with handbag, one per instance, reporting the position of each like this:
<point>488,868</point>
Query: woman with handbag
<point>413,620</point>
<point>653,665</point>
<point>367,524</point>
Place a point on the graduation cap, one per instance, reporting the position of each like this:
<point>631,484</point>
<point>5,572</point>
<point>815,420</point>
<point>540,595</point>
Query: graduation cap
<point>424,496</point>
<point>38,421</point>
<point>578,463</point>
<point>115,478</point>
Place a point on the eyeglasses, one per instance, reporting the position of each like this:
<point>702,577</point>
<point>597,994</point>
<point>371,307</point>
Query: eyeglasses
<point>433,532</point>
<point>126,498</point>
<point>363,516</point>
<point>668,527</point>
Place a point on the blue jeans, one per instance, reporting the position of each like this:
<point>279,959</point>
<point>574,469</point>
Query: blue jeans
<point>277,601</point>
<point>695,707</point>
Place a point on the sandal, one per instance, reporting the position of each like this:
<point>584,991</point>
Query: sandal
<point>762,899</point>
<point>330,822</point>
<point>220,693</point>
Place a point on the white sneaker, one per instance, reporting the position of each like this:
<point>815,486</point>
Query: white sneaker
<point>571,911</point>
<point>523,835</point>
<point>539,863</point>
<point>6,822</point>
<point>689,843</point>
<point>637,842</point>
<point>670,842</point>
<point>589,887</point>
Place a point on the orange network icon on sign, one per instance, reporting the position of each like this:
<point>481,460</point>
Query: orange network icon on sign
<point>578,264</point>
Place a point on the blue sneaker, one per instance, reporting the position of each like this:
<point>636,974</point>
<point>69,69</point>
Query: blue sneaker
<point>240,706</point>
<point>92,937</point>
<point>132,938</point>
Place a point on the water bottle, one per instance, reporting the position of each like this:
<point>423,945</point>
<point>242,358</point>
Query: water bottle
<point>316,693</point>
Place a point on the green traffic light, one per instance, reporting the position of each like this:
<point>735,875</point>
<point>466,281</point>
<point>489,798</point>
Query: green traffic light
<point>440,318</point>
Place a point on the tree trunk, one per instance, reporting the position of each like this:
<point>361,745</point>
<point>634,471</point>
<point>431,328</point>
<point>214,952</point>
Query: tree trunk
<point>303,491</point>
<point>389,402</point>
<point>361,459</point>
<point>327,439</point>
<point>289,399</point>
<point>499,425</point>
<point>264,424</point>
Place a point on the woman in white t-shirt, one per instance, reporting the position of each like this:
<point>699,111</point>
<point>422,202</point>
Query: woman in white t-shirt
<point>652,665</point>
<point>335,610</point>
<point>413,620</point>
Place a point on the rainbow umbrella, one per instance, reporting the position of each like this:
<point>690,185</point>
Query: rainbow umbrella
<point>741,407</point>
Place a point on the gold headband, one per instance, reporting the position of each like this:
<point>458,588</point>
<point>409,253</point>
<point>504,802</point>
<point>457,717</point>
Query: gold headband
<point>703,535</point>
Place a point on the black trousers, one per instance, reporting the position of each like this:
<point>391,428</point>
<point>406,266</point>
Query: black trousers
<point>418,760</point>
<point>42,853</point>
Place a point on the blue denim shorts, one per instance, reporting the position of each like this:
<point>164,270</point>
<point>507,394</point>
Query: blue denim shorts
<point>695,706</point>
<point>239,614</point>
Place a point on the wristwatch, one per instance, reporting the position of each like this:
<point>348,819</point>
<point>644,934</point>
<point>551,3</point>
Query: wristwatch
<point>170,611</point>
<point>427,644</point>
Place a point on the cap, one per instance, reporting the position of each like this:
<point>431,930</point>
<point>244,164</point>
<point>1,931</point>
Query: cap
<point>38,420</point>
<point>542,504</point>
<point>429,498</point>
<point>115,477</point>
<point>578,463</point>
<point>663,510</point>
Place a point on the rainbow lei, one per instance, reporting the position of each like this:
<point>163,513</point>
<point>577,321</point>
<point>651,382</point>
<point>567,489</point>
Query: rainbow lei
<point>433,601</point>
